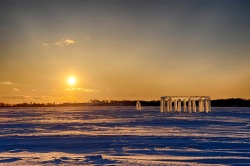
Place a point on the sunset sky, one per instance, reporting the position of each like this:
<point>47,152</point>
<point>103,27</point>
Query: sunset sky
<point>123,49</point>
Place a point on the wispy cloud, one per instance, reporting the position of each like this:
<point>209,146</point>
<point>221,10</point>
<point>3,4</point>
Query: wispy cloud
<point>86,37</point>
<point>17,97</point>
<point>13,97</point>
<point>26,97</point>
<point>16,89</point>
<point>66,42</point>
<point>81,90</point>
<point>63,42</point>
<point>46,44</point>
<point>9,83</point>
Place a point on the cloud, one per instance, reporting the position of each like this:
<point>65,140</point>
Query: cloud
<point>39,98</point>
<point>9,83</point>
<point>69,42</point>
<point>16,89</point>
<point>13,97</point>
<point>45,44</point>
<point>81,90</point>
<point>27,97</point>
<point>63,42</point>
<point>86,37</point>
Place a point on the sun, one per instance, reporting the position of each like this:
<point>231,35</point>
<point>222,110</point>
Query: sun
<point>71,80</point>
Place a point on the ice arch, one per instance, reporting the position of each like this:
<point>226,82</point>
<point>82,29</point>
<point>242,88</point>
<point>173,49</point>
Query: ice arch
<point>185,104</point>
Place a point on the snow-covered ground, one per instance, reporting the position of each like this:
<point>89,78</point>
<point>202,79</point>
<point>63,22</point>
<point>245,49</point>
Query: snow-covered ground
<point>123,136</point>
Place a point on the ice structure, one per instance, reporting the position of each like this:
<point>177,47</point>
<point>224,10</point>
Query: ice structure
<point>185,104</point>
<point>138,105</point>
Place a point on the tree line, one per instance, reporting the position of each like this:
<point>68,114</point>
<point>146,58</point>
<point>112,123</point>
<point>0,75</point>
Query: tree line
<point>232,102</point>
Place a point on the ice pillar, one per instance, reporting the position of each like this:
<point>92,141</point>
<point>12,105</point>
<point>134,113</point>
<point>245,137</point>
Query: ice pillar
<point>206,105</point>
<point>167,107</point>
<point>189,106</point>
<point>209,105</point>
<point>170,106</point>
<point>203,105</point>
<point>194,105</point>
<point>179,105</point>
<point>175,105</point>
<point>200,105</point>
<point>163,102</point>
<point>184,105</point>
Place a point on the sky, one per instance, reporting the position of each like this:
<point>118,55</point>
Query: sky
<point>123,49</point>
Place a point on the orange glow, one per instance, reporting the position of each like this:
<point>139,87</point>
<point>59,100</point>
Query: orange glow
<point>71,80</point>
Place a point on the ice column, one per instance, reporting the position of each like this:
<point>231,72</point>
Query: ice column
<point>206,106</point>
<point>189,106</point>
<point>163,104</point>
<point>179,105</point>
<point>175,105</point>
<point>170,106</point>
<point>184,105</point>
<point>200,105</point>
<point>209,105</point>
<point>167,108</point>
<point>194,105</point>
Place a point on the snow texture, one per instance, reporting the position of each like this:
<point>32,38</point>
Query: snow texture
<point>123,136</point>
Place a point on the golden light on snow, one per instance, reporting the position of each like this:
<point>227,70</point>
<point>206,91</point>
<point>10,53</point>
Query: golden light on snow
<point>71,80</point>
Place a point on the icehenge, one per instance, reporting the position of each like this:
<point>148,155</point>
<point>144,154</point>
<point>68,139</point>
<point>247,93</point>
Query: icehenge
<point>180,104</point>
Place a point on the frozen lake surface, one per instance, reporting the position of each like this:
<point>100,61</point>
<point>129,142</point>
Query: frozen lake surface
<point>123,136</point>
